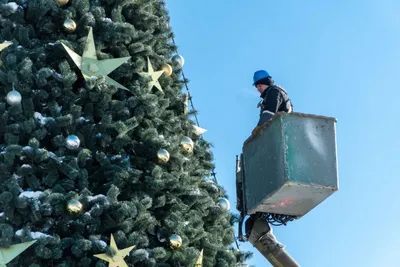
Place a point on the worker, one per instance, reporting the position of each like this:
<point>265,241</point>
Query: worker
<point>274,97</point>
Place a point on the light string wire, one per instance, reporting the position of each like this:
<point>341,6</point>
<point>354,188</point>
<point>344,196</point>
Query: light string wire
<point>213,173</point>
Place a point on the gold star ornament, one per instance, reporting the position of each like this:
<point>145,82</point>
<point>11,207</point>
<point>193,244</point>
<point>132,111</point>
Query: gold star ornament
<point>154,75</point>
<point>199,262</point>
<point>118,259</point>
<point>8,254</point>
<point>4,45</point>
<point>91,66</point>
<point>199,131</point>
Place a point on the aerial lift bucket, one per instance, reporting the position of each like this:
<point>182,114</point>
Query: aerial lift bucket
<point>287,168</point>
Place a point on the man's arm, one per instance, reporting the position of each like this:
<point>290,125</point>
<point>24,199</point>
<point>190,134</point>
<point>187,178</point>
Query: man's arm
<point>271,105</point>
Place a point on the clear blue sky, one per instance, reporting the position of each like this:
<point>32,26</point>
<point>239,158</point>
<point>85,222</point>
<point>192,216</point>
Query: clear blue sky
<point>336,58</point>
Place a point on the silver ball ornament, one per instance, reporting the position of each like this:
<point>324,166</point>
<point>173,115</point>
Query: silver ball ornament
<point>69,25</point>
<point>72,142</point>
<point>14,98</point>
<point>223,203</point>
<point>163,156</point>
<point>178,61</point>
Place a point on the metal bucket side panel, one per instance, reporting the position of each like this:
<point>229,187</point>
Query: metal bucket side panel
<point>310,150</point>
<point>263,161</point>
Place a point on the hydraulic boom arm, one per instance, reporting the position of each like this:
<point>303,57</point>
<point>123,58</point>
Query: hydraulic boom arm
<point>262,238</point>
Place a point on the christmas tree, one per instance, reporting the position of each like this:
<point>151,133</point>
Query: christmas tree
<point>100,161</point>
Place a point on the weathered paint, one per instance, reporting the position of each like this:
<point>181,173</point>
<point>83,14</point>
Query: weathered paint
<point>290,165</point>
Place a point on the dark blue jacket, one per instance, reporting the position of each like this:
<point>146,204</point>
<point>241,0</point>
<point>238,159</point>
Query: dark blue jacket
<point>274,99</point>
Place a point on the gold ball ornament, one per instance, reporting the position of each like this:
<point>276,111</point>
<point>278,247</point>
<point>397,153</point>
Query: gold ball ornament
<point>69,25</point>
<point>74,206</point>
<point>187,145</point>
<point>62,2</point>
<point>175,241</point>
<point>167,69</point>
<point>163,156</point>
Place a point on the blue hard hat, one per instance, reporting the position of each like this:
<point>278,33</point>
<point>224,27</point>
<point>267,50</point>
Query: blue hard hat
<point>260,74</point>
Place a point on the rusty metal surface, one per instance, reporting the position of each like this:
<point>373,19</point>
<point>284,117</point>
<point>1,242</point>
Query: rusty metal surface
<point>290,165</point>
